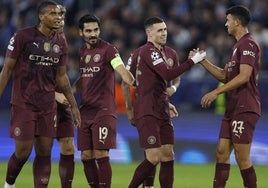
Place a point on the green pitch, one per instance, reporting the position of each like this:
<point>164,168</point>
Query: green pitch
<point>186,176</point>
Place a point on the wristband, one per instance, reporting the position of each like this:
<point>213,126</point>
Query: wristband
<point>174,87</point>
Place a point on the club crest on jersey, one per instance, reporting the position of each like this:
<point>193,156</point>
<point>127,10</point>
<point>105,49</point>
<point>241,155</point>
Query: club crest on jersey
<point>47,46</point>
<point>170,62</point>
<point>56,48</point>
<point>17,131</point>
<point>96,58</point>
<point>87,59</point>
<point>151,140</point>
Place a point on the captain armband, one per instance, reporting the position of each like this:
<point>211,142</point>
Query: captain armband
<point>174,87</point>
<point>115,62</point>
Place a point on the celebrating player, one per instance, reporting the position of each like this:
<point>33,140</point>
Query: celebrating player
<point>240,76</point>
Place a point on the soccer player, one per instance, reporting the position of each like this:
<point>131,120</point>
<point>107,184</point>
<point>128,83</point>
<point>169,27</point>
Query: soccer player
<point>243,110</point>
<point>65,130</point>
<point>98,61</point>
<point>151,105</point>
<point>36,57</point>
<point>172,61</point>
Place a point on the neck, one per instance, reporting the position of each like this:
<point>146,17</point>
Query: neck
<point>240,33</point>
<point>158,46</point>
<point>45,30</point>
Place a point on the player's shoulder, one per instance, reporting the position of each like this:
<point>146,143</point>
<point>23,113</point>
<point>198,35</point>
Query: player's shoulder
<point>27,31</point>
<point>248,41</point>
<point>170,50</point>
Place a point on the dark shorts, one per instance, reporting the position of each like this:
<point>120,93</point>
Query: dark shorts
<point>65,124</point>
<point>154,132</point>
<point>26,124</point>
<point>240,128</point>
<point>99,134</point>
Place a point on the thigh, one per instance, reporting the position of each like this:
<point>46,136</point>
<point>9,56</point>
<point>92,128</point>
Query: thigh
<point>46,123</point>
<point>65,125</point>
<point>104,133</point>
<point>84,135</point>
<point>22,124</point>
<point>167,132</point>
<point>43,145</point>
<point>149,132</point>
<point>243,127</point>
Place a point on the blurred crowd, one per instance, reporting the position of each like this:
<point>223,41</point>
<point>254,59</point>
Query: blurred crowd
<point>191,24</point>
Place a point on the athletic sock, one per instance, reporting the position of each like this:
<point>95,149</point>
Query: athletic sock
<point>166,174</point>
<point>149,181</point>
<point>221,176</point>
<point>13,169</point>
<point>249,177</point>
<point>141,173</point>
<point>66,170</point>
<point>105,172</point>
<point>8,185</point>
<point>41,170</point>
<point>91,172</point>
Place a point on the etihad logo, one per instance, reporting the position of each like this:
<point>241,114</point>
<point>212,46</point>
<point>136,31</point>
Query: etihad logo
<point>250,53</point>
<point>41,58</point>
<point>89,69</point>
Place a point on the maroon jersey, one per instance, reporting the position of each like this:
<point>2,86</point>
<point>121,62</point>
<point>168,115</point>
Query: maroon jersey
<point>38,57</point>
<point>171,58</point>
<point>246,97</point>
<point>152,74</point>
<point>97,80</point>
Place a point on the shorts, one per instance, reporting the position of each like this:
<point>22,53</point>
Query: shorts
<point>240,128</point>
<point>97,134</point>
<point>154,133</point>
<point>27,124</point>
<point>65,123</point>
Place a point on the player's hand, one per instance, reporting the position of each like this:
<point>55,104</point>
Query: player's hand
<point>60,98</point>
<point>198,56</point>
<point>130,115</point>
<point>77,117</point>
<point>172,111</point>
<point>170,91</point>
<point>208,99</point>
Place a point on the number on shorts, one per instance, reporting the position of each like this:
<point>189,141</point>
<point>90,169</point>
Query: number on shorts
<point>103,133</point>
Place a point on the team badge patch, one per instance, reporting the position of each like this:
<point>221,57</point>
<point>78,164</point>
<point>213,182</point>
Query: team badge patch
<point>47,46</point>
<point>170,62</point>
<point>151,140</point>
<point>96,58</point>
<point>56,48</point>
<point>87,59</point>
<point>17,131</point>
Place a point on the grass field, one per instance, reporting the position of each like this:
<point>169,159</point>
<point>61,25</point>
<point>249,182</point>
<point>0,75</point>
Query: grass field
<point>186,176</point>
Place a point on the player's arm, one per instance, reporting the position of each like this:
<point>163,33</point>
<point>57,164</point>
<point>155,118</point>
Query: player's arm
<point>76,87</point>
<point>120,68</point>
<point>6,73</point>
<point>217,72</point>
<point>242,78</point>
<point>60,98</point>
<point>127,99</point>
<point>64,86</point>
<point>174,86</point>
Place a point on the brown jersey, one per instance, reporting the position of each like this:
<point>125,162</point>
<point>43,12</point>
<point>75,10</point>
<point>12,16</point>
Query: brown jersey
<point>152,75</point>
<point>245,98</point>
<point>38,57</point>
<point>97,80</point>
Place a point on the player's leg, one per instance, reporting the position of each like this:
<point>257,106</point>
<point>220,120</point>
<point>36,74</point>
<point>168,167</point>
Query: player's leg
<point>22,131</point>
<point>90,168</point>
<point>66,163</point>
<point>149,137</point>
<point>42,161</point>
<point>85,145</point>
<point>166,173</point>
<point>244,126</point>
<point>104,139</point>
<point>17,160</point>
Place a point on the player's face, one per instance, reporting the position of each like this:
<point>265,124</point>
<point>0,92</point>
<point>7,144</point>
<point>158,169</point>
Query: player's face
<point>231,24</point>
<point>90,33</point>
<point>158,33</point>
<point>51,17</point>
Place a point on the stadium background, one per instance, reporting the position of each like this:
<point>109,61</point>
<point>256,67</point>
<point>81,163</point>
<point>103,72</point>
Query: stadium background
<point>191,24</point>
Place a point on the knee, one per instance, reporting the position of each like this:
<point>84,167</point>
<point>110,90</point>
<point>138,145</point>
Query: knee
<point>222,156</point>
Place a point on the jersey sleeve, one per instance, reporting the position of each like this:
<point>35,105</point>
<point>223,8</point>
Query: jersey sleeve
<point>15,45</point>
<point>113,57</point>
<point>248,53</point>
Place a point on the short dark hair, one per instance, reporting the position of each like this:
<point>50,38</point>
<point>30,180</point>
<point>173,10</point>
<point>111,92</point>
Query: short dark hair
<point>240,12</point>
<point>152,20</point>
<point>43,5</point>
<point>87,19</point>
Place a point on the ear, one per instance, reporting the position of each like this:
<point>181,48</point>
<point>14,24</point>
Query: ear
<point>80,32</point>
